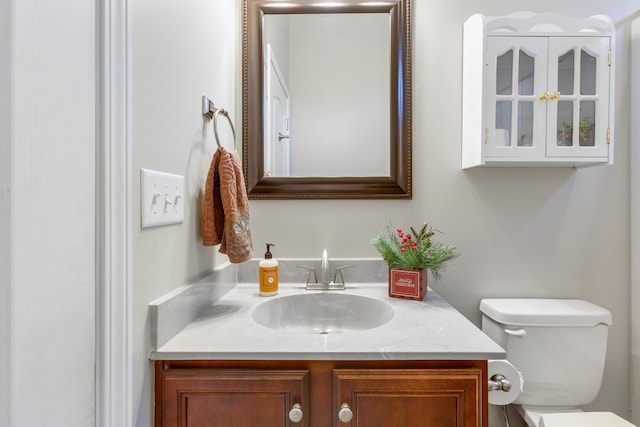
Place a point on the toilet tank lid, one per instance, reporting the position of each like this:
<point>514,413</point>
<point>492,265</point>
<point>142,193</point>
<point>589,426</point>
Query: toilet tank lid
<point>545,312</point>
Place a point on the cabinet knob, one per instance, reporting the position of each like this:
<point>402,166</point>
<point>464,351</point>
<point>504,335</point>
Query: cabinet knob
<point>344,414</point>
<point>296,414</point>
<point>549,96</point>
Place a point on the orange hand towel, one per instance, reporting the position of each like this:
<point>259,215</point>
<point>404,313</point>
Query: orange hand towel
<point>225,218</point>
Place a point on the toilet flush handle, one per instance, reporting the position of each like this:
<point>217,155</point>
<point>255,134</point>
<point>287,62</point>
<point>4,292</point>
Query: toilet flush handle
<point>516,332</point>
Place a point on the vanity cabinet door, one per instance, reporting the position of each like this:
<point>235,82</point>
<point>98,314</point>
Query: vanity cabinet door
<point>409,397</point>
<point>238,398</point>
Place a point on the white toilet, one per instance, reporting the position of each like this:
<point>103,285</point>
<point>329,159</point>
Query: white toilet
<point>559,346</point>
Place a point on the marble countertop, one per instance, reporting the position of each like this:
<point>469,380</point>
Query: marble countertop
<point>419,330</point>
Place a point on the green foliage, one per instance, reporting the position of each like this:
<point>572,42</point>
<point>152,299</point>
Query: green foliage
<point>586,125</point>
<point>414,250</point>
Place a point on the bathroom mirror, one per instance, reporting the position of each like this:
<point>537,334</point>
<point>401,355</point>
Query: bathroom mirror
<point>327,99</point>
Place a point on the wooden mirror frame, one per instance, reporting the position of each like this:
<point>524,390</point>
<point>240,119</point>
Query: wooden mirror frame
<point>395,186</point>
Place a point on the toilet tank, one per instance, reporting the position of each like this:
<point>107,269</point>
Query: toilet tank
<point>559,345</point>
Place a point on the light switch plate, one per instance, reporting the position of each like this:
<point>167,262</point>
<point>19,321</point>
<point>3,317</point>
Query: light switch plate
<point>161,198</point>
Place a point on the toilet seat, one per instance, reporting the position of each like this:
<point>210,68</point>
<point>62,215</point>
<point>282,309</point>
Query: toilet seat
<point>533,415</point>
<point>583,419</point>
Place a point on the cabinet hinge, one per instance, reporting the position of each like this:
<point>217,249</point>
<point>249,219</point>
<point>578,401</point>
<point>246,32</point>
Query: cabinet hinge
<point>608,135</point>
<point>609,58</point>
<point>486,135</point>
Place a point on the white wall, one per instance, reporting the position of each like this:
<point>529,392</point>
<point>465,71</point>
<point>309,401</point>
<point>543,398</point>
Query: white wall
<point>181,51</point>
<point>635,221</point>
<point>5,208</point>
<point>354,106</point>
<point>276,33</point>
<point>521,232</point>
<point>47,212</point>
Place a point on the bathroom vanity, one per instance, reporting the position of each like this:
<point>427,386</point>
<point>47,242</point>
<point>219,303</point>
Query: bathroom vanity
<point>244,393</point>
<point>425,365</point>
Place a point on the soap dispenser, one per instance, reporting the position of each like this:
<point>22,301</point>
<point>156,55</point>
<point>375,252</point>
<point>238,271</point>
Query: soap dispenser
<point>268,274</point>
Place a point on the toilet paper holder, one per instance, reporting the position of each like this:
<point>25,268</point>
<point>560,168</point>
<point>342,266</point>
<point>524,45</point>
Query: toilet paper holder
<point>499,382</point>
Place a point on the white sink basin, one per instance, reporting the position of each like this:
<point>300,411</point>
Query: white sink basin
<point>323,313</point>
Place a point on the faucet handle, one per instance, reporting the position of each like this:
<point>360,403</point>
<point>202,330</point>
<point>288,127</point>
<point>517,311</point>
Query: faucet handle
<point>338,278</point>
<point>312,273</point>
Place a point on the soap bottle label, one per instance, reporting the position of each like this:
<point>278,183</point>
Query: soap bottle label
<point>268,279</point>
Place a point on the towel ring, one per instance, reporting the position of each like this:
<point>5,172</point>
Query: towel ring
<point>210,110</point>
<point>215,128</point>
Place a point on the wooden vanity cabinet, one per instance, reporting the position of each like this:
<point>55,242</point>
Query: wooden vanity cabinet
<point>242,398</point>
<point>410,397</point>
<point>370,393</point>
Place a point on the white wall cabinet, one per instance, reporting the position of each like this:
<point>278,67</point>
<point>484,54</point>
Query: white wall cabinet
<point>537,91</point>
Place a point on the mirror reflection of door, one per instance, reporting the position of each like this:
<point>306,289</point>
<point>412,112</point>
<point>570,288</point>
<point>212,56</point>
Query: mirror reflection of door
<point>277,132</point>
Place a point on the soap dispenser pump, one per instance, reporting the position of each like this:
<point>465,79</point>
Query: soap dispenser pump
<point>268,273</point>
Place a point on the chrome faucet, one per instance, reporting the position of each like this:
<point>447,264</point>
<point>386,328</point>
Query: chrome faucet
<point>324,269</point>
<point>323,280</point>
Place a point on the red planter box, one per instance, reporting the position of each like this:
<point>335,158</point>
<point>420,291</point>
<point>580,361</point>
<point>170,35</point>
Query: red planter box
<point>407,283</point>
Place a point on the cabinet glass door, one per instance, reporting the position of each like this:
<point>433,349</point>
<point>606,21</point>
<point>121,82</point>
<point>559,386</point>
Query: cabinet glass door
<point>516,75</point>
<point>578,92</point>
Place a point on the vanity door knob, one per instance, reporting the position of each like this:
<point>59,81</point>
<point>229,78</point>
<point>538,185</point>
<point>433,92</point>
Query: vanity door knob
<point>296,414</point>
<point>345,414</point>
